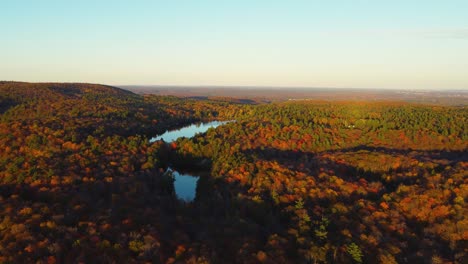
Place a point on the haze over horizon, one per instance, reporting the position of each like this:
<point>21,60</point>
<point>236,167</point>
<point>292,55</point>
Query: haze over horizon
<point>363,44</point>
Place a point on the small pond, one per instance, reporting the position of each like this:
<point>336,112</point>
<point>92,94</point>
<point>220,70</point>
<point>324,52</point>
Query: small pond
<point>185,185</point>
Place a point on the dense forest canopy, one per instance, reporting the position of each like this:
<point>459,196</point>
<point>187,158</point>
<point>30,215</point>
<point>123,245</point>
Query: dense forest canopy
<point>288,182</point>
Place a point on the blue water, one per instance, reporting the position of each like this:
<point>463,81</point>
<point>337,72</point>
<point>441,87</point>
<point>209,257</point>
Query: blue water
<point>185,185</point>
<point>188,131</point>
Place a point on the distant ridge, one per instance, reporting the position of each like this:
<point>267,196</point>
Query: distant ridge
<point>25,91</point>
<point>15,93</point>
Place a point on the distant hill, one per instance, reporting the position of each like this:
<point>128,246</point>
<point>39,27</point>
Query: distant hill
<point>15,93</point>
<point>20,91</point>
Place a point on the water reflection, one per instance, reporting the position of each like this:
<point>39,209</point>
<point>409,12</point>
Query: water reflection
<point>185,185</point>
<point>188,131</point>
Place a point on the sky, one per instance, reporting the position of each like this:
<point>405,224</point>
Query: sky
<point>402,44</point>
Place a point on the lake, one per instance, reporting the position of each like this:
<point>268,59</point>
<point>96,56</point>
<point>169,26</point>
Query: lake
<point>188,131</point>
<point>185,185</point>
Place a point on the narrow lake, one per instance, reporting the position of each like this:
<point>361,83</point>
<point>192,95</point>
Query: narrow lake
<point>188,131</point>
<point>185,185</point>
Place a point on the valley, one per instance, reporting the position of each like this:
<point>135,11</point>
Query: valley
<point>83,178</point>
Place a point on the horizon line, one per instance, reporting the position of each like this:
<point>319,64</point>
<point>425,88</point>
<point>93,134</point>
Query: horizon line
<point>247,86</point>
<point>283,87</point>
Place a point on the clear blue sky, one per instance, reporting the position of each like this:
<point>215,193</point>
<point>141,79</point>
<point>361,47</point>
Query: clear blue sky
<point>333,43</point>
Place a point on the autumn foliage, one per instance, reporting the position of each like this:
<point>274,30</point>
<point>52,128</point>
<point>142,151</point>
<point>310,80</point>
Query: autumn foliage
<point>292,182</point>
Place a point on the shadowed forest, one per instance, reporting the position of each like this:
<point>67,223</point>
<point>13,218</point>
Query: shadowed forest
<point>286,182</point>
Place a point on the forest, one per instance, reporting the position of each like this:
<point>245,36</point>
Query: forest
<point>288,182</point>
